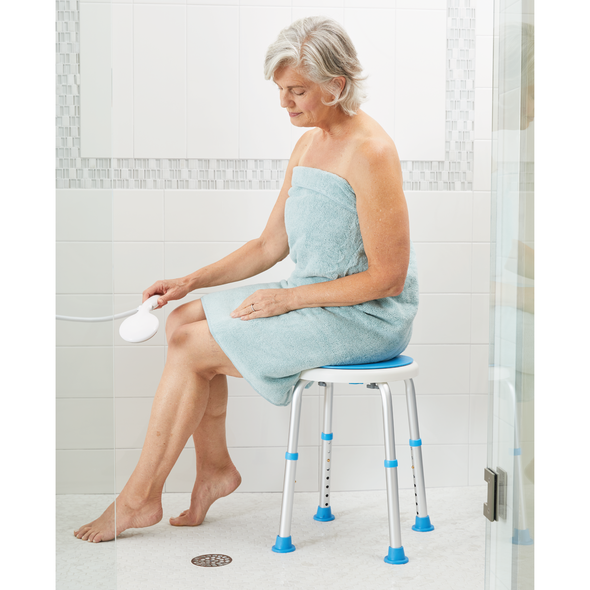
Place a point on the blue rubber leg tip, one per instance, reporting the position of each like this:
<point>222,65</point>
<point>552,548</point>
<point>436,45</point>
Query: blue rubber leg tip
<point>522,537</point>
<point>423,525</point>
<point>396,556</point>
<point>324,514</point>
<point>283,545</point>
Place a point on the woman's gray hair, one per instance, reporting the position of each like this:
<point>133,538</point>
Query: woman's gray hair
<point>323,50</point>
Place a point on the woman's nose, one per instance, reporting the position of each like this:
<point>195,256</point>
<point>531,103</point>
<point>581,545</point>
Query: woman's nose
<point>285,100</point>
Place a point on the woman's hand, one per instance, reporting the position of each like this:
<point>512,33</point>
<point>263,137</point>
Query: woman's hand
<point>169,290</point>
<point>264,303</point>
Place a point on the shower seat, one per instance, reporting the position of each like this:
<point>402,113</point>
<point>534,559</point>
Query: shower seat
<point>375,376</point>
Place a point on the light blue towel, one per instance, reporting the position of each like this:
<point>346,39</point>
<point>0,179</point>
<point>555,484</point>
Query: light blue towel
<point>325,243</point>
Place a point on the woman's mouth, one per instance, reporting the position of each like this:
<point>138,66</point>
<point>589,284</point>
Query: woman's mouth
<point>294,114</point>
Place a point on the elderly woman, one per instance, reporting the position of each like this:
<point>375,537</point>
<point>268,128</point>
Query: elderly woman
<point>342,217</point>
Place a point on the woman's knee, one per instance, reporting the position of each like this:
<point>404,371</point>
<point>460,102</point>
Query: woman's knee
<point>186,313</point>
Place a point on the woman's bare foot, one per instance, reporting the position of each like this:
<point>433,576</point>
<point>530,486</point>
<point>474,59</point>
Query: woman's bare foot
<point>130,515</point>
<point>208,488</point>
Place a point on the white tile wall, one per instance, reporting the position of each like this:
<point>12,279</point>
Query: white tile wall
<point>213,95</point>
<point>202,216</point>
<point>420,41</point>
<point>259,98</point>
<point>371,31</point>
<point>95,93</point>
<point>85,472</point>
<point>84,371</point>
<point>138,216</point>
<point>122,80</point>
<point>137,265</point>
<point>137,370</point>
<point>84,423</point>
<point>82,333</point>
<point>84,267</point>
<point>159,81</point>
<point>444,268</point>
<point>157,113</point>
<point>84,215</point>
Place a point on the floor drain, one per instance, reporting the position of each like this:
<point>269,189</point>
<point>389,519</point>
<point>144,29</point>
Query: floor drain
<point>211,560</point>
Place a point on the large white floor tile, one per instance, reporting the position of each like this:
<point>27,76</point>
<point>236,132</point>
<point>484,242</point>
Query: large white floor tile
<point>138,370</point>
<point>138,215</point>
<point>419,102</point>
<point>84,215</point>
<point>443,319</point>
<point>84,424</point>
<point>84,267</point>
<point>95,92</point>
<point>84,371</point>
<point>444,368</point>
<point>217,216</point>
<point>159,81</point>
<point>122,68</point>
<point>444,268</point>
<point>213,98</point>
<point>265,128</point>
<point>440,216</point>
<point>346,553</point>
<point>137,265</point>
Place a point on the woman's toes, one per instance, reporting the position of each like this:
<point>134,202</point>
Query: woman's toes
<point>182,519</point>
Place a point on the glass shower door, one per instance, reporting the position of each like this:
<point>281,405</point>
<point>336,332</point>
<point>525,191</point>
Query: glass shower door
<point>510,473</point>
<point>85,432</point>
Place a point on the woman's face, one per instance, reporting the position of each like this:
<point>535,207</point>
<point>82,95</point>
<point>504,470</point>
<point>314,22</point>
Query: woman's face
<point>302,98</point>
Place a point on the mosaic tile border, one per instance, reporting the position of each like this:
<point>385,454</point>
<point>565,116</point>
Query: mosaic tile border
<point>455,173</point>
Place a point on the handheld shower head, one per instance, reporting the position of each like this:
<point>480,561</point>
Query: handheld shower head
<point>142,325</point>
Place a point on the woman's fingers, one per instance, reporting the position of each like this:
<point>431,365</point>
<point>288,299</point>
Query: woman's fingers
<point>264,303</point>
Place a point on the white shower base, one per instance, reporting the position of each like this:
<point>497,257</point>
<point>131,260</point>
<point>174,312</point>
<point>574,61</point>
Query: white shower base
<point>346,553</point>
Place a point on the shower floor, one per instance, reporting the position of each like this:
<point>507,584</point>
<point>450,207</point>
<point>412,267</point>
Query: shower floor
<point>346,553</point>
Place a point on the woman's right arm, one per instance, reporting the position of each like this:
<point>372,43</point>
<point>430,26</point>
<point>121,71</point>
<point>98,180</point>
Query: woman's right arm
<point>251,259</point>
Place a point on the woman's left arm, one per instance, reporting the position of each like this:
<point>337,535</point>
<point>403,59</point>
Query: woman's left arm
<point>383,219</point>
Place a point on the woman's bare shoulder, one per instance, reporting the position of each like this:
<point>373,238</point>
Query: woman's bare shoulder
<point>375,156</point>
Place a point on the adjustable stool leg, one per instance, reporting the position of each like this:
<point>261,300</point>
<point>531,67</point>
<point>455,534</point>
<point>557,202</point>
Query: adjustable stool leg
<point>283,543</point>
<point>422,519</point>
<point>324,513</point>
<point>396,553</point>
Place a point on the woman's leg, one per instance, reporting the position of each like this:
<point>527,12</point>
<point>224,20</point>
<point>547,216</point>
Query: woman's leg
<point>217,476</point>
<point>194,359</point>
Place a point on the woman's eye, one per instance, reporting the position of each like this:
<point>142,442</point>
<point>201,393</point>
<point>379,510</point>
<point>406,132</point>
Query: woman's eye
<point>298,93</point>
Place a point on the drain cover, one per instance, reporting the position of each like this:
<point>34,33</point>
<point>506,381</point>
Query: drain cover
<point>211,560</point>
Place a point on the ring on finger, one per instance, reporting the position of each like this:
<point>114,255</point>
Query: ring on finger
<point>252,306</point>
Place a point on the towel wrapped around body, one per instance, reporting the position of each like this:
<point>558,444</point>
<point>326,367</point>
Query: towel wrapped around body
<point>325,243</point>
